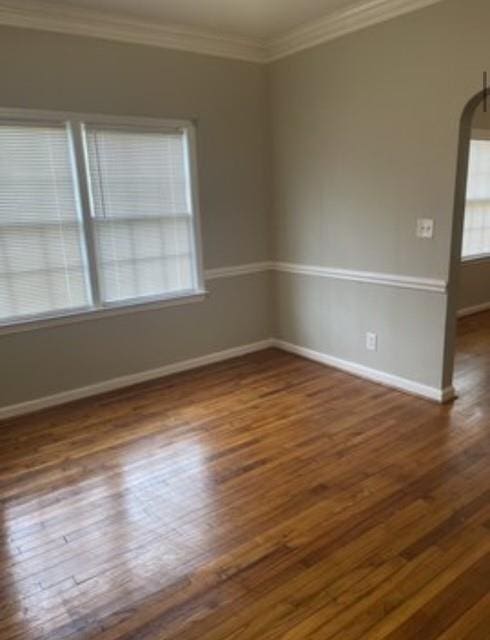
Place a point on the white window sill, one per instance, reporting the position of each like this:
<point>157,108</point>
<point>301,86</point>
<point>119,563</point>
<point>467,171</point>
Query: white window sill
<point>31,324</point>
<point>479,258</point>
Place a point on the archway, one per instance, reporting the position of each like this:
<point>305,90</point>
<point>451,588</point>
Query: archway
<point>457,232</point>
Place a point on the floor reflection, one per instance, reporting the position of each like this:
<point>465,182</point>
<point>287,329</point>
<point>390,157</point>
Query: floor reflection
<point>128,529</point>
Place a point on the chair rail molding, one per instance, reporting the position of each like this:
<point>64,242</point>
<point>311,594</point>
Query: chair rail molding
<point>237,270</point>
<point>369,277</point>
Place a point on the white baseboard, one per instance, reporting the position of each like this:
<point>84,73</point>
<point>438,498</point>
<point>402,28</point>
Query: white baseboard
<point>387,379</point>
<point>30,406</point>
<point>469,311</point>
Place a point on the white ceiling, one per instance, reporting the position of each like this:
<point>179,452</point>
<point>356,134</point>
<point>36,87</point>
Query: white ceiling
<point>258,19</point>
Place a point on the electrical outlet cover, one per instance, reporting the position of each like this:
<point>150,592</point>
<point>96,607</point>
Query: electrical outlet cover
<point>425,228</point>
<point>371,341</point>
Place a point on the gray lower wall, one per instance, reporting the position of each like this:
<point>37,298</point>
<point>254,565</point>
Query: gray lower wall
<point>228,99</point>
<point>44,362</point>
<point>332,317</point>
<point>474,284</point>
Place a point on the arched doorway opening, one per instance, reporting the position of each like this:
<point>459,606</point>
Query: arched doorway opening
<point>454,310</point>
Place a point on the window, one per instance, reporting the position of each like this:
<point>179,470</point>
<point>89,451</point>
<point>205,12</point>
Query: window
<point>95,213</point>
<point>476,235</point>
<point>42,267</point>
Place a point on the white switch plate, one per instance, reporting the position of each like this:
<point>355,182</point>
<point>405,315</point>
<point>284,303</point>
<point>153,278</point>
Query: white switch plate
<point>371,341</point>
<point>425,228</point>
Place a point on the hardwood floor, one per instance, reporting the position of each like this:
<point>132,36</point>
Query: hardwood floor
<point>267,497</point>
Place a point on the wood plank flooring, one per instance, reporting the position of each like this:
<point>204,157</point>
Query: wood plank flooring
<point>264,498</point>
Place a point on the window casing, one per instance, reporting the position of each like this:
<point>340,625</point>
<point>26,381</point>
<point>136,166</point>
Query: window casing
<point>96,214</point>
<point>476,233</point>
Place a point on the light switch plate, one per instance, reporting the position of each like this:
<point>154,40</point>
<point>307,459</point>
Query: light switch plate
<point>425,228</point>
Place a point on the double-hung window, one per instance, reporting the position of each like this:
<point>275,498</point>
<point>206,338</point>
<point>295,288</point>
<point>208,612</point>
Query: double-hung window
<point>476,234</point>
<point>96,213</point>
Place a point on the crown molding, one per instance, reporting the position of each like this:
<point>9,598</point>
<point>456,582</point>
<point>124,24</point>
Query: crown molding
<point>110,26</point>
<point>340,23</point>
<point>46,16</point>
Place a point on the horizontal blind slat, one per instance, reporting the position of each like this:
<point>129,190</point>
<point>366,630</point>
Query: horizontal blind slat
<point>141,212</point>
<point>42,266</point>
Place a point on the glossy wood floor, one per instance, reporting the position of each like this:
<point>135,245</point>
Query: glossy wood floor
<point>267,497</point>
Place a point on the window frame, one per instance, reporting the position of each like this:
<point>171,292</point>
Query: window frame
<point>477,134</point>
<point>75,124</point>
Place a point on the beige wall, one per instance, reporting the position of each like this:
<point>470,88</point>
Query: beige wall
<point>365,139</point>
<point>228,98</point>
<point>481,118</point>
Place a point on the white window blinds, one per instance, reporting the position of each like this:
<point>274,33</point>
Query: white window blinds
<point>141,210</point>
<point>42,266</point>
<point>95,213</point>
<point>476,235</point>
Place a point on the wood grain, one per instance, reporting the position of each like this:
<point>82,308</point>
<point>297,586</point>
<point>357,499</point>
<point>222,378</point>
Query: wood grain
<point>263,498</point>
